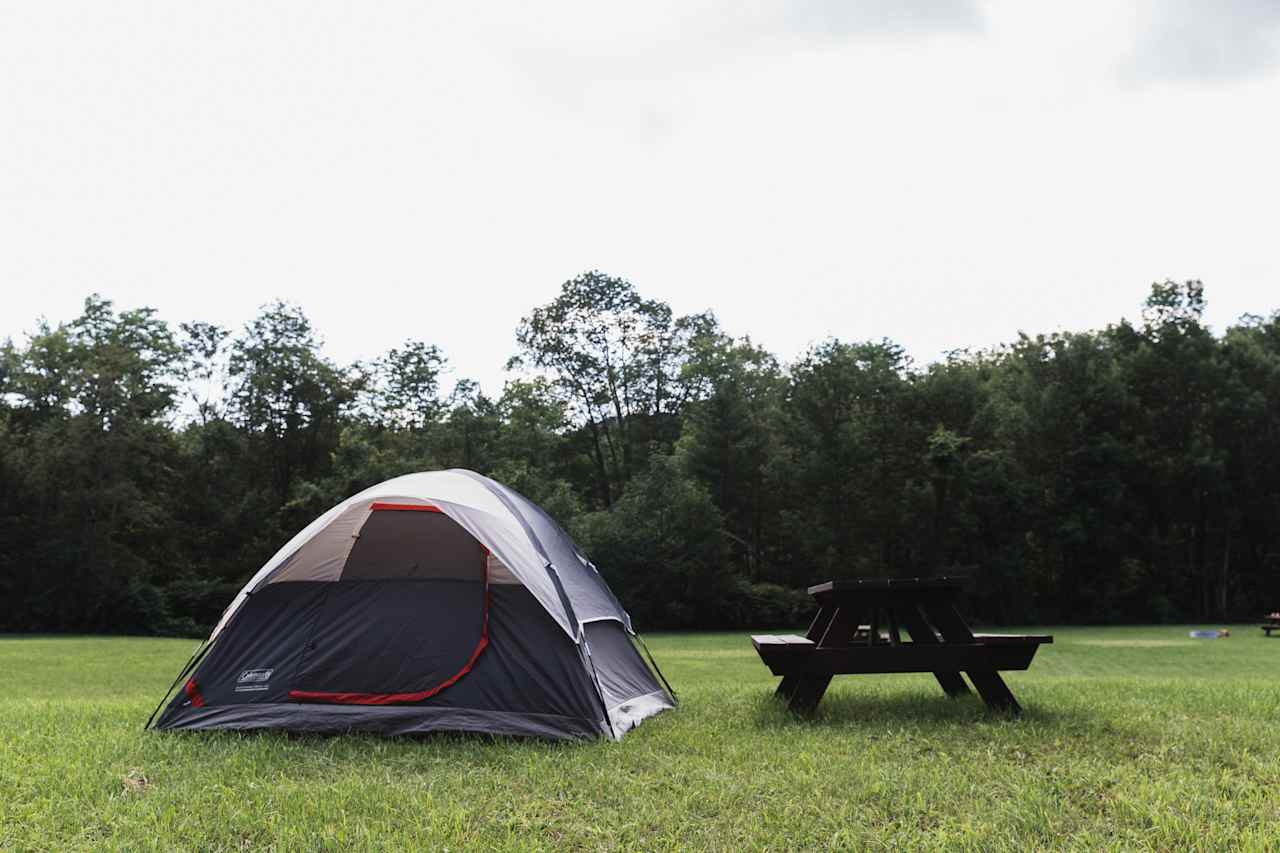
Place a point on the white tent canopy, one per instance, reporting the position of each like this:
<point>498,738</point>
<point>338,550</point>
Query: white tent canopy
<point>497,520</point>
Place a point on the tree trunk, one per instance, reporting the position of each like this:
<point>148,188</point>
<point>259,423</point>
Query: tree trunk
<point>602,470</point>
<point>1223,580</point>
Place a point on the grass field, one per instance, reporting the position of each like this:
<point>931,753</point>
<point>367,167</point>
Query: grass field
<point>1132,738</point>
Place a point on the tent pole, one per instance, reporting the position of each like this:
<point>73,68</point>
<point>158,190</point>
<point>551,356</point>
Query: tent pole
<point>604,706</point>
<point>653,663</point>
<point>186,670</point>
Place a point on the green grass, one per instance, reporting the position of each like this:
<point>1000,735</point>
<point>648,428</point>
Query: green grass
<point>1132,738</point>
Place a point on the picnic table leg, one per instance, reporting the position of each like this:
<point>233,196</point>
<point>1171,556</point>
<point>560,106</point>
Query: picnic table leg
<point>833,627</point>
<point>790,683</point>
<point>920,632</point>
<point>986,679</point>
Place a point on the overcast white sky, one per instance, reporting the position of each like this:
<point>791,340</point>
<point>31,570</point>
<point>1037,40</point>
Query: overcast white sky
<point>941,173</point>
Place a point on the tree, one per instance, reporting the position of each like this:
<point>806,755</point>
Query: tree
<point>730,432</point>
<point>1248,423</point>
<point>471,431</point>
<point>660,548</point>
<point>1177,378</point>
<point>852,450</point>
<point>204,347</point>
<point>287,398</point>
<point>401,390</point>
<point>91,456</point>
<point>1125,473</point>
<point>614,358</point>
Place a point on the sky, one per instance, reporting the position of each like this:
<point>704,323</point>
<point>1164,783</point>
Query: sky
<point>942,173</point>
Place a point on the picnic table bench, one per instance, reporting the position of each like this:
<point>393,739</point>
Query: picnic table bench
<point>840,642</point>
<point>1270,622</point>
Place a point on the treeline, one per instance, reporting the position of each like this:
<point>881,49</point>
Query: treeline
<point>1125,474</point>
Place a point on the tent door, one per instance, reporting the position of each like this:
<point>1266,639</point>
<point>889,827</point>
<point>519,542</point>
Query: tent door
<point>407,618</point>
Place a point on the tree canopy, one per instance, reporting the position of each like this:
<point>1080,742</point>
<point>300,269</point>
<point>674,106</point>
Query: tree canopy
<point>1130,473</point>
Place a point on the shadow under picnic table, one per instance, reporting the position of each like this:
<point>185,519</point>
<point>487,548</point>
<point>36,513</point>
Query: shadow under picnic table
<point>849,706</point>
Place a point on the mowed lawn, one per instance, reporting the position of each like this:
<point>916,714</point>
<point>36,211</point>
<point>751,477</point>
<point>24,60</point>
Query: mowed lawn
<point>1135,737</point>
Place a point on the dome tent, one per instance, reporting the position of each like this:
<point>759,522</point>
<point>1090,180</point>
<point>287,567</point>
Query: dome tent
<point>433,601</point>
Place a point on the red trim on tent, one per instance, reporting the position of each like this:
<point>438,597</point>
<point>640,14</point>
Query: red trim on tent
<point>399,698</point>
<point>392,698</point>
<point>405,507</point>
<point>193,693</point>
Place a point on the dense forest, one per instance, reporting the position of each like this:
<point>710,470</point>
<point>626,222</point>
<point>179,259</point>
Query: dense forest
<point>1126,474</point>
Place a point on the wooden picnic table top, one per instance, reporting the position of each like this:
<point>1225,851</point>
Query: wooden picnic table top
<point>953,582</point>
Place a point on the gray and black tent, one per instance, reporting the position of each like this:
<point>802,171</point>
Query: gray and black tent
<point>433,601</point>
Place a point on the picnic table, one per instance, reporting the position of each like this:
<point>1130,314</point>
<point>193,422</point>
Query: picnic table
<point>1270,622</point>
<point>858,630</point>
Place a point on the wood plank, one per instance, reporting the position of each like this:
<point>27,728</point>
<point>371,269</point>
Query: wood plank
<point>810,687</point>
<point>986,680</point>
<point>808,661</point>
<point>922,633</point>
<point>792,684</point>
<point>908,585</point>
<point>993,690</point>
<point>813,633</point>
<point>820,622</point>
<point>884,659</point>
<point>780,640</point>
<point>841,630</point>
<point>1013,639</point>
<point>793,659</point>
